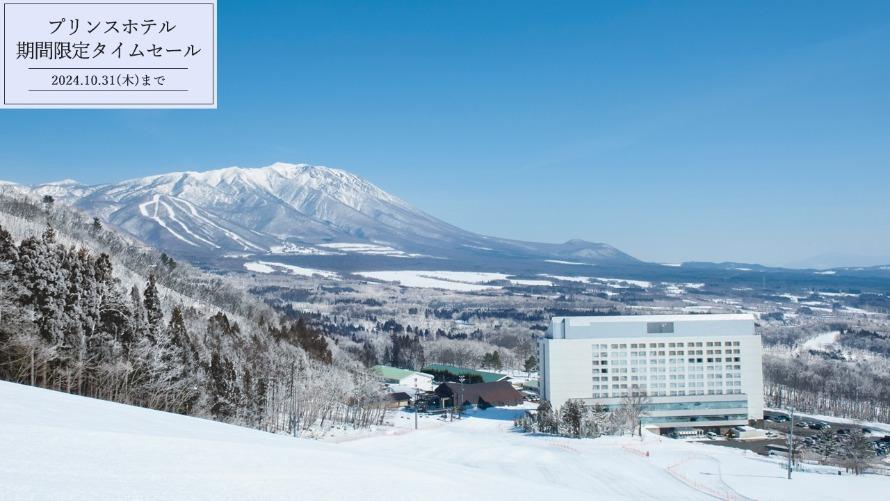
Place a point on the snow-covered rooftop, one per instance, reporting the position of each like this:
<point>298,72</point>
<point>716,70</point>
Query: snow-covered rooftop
<point>576,321</point>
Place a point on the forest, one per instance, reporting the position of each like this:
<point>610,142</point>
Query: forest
<point>84,311</point>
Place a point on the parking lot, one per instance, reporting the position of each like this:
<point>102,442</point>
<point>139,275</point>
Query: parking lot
<point>806,430</point>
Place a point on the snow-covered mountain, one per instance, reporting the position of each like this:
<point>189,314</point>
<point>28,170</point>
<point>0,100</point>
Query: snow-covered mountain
<point>290,209</point>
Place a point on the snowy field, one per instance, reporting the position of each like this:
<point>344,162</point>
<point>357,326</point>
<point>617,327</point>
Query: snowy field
<point>369,249</point>
<point>267,267</point>
<point>821,342</point>
<point>463,281</point>
<point>57,446</point>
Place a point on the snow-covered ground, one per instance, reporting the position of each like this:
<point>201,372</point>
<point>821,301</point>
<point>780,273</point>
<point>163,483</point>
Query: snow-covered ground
<point>271,267</point>
<point>57,446</point>
<point>582,280</point>
<point>623,282</point>
<point>448,280</point>
<point>821,342</point>
<point>575,263</point>
<point>463,281</point>
<point>370,249</point>
<point>300,250</point>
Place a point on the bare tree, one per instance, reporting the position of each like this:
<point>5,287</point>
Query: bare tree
<point>631,410</point>
<point>857,451</point>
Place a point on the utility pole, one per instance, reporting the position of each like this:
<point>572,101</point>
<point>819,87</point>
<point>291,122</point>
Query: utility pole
<point>461,408</point>
<point>415,403</point>
<point>790,440</point>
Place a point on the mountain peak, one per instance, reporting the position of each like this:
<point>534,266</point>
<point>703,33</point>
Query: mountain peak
<point>311,208</point>
<point>64,182</point>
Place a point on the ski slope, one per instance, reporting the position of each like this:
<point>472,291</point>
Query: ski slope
<point>58,446</point>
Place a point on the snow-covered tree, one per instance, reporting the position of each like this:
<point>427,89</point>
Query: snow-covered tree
<point>571,417</point>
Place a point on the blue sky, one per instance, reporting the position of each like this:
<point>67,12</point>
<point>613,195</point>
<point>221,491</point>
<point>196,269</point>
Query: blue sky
<point>744,131</point>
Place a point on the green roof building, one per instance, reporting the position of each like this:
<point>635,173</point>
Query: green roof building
<point>404,377</point>
<point>487,377</point>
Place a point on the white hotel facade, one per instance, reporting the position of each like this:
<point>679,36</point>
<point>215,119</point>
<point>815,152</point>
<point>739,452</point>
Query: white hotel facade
<point>700,371</point>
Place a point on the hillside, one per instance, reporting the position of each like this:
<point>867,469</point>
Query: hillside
<point>69,447</point>
<point>86,311</point>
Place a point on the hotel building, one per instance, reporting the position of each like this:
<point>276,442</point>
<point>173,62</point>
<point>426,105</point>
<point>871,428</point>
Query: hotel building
<point>699,371</point>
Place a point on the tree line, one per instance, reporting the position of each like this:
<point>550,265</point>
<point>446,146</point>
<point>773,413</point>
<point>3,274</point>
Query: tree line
<point>574,419</point>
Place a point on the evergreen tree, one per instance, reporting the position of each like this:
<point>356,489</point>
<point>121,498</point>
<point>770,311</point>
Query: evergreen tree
<point>826,444</point>
<point>39,269</point>
<point>174,365</point>
<point>138,321</point>
<point>572,415</point>
<point>496,363</point>
<point>222,387</point>
<point>547,422</point>
<point>531,363</point>
<point>151,301</point>
<point>595,422</point>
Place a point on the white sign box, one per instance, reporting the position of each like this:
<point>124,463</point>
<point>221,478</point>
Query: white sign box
<point>69,54</point>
